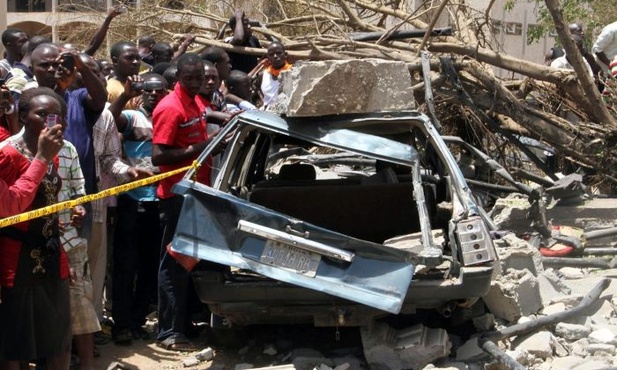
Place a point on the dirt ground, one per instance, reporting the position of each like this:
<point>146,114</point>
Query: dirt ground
<point>231,348</point>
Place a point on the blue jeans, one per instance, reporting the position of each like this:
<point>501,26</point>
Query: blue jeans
<point>135,259</point>
<point>174,280</point>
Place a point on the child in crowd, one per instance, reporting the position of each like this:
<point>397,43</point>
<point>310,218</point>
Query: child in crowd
<point>277,59</point>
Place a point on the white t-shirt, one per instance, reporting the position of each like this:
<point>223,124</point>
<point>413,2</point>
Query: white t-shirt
<point>607,43</point>
<point>269,88</point>
<point>562,62</point>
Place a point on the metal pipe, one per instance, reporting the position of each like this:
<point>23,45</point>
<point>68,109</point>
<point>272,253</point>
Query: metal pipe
<point>488,339</point>
<point>596,234</point>
<point>493,349</point>
<point>495,187</point>
<point>578,262</point>
<point>599,251</point>
<point>533,177</point>
<point>553,319</point>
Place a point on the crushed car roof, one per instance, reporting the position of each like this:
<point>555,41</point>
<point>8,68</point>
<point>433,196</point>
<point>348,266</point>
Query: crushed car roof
<point>346,132</point>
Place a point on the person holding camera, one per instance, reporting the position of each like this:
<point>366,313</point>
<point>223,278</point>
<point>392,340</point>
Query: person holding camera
<point>58,71</point>
<point>138,233</point>
<point>35,319</point>
<point>126,61</point>
<point>17,197</point>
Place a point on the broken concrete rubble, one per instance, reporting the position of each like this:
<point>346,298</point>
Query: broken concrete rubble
<point>552,288</point>
<point>345,86</point>
<point>539,344</point>
<point>409,348</point>
<point>572,332</point>
<point>516,253</point>
<point>513,295</point>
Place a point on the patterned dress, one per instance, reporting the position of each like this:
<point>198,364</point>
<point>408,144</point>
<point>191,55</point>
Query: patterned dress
<point>34,313</point>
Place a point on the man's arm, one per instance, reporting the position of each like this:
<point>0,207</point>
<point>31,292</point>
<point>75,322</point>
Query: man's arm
<point>238,38</point>
<point>604,39</point>
<point>167,155</point>
<point>117,106</point>
<point>111,153</point>
<point>595,67</point>
<point>186,42</point>
<point>97,94</point>
<point>99,35</point>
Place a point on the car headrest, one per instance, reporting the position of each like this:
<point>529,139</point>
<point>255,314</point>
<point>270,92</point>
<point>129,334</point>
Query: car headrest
<point>297,171</point>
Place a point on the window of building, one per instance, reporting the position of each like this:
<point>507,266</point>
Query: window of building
<point>30,6</point>
<point>513,28</point>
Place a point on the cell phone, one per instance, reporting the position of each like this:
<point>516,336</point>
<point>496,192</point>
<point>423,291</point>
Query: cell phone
<point>68,61</point>
<point>51,120</point>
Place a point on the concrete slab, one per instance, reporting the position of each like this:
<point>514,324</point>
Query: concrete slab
<point>317,88</point>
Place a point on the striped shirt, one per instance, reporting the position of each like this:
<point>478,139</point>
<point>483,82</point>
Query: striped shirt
<point>73,186</point>
<point>110,169</point>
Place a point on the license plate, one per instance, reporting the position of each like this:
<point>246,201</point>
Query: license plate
<point>289,257</point>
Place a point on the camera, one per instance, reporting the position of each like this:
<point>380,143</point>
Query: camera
<point>148,85</point>
<point>68,61</point>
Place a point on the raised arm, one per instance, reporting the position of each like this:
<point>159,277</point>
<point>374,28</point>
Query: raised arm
<point>97,94</point>
<point>101,33</point>
<point>184,45</point>
<point>117,106</point>
<point>239,36</point>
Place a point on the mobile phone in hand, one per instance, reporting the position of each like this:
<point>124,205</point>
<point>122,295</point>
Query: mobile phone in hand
<point>51,120</point>
<point>68,61</point>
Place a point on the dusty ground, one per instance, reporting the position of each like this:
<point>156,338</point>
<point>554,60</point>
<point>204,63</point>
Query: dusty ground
<point>231,348</point>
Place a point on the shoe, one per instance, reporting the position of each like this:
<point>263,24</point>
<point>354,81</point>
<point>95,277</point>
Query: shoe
<point>140,333</point>
<point>178,344</point>
<point>100,338</point>
<point>123,338</point>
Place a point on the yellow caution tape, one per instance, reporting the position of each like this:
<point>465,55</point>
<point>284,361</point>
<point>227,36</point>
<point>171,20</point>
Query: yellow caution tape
<point>40,212</point>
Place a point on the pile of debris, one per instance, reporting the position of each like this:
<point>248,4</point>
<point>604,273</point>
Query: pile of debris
<point>545,313</point>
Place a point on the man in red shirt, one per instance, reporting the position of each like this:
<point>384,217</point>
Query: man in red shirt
<point>179,136</point>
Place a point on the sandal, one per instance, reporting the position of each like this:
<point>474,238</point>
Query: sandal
<point>178,344</point>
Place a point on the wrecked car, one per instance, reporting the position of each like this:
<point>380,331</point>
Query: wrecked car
<point>334,220</point>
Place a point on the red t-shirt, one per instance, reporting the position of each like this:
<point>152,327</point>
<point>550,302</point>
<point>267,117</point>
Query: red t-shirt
<point>178,122</point>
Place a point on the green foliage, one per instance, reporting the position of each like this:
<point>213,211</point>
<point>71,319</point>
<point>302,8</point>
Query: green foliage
<point>591,14</point>
<point>509,5</point>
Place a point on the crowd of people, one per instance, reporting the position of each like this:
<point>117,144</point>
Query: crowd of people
<point>72,125</point>
<point>601,62</point>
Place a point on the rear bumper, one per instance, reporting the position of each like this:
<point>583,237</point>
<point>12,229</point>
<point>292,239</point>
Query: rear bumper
<point>269,301</point>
